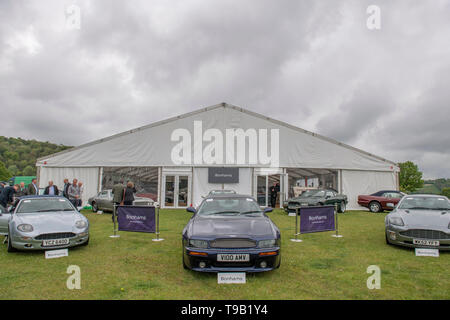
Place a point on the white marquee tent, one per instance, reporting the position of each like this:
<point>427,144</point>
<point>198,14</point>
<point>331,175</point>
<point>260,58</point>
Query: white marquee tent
<point>178,152</point>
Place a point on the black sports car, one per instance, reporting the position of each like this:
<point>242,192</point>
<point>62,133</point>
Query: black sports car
<point>319,197</point>
<point>230,232</point>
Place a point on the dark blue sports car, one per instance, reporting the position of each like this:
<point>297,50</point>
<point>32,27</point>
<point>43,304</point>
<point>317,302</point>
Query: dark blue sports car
<point>230,232</point>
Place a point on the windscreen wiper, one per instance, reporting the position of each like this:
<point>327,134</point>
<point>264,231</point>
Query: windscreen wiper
<point>253,211</point>
<point>223,212</point>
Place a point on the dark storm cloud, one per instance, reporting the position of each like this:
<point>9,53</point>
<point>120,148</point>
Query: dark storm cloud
<point>312,64</point>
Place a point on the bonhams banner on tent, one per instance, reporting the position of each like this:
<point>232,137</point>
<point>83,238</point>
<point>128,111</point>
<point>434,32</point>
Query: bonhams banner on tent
<point>136,218</point>
<point>317,219</point>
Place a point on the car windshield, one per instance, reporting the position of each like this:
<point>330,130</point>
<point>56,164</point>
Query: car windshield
<point>44,205</point>
<point>307,193</point>
<point>229,206</point>
<point>424,203</point>
<point>320,193</point>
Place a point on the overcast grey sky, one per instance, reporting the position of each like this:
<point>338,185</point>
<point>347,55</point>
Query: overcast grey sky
<point>313,64</point>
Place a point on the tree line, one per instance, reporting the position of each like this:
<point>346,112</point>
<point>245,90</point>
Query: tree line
<point>18,156</point>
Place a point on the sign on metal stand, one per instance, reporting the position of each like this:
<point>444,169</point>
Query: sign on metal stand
<point>157,225</point>
<point>296,227</point>
<point>337,235</point>
<point>316,219</point>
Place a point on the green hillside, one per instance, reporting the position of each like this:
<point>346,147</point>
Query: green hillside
<point>434,186</point>
<point>18,156</point>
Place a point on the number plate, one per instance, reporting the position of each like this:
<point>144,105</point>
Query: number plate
<point>423,242</point>
<point>55,242</point>
<point>233,257</point>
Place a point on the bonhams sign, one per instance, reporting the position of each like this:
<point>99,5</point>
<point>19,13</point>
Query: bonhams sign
<point>135,218</point>
<point>225,147</point>
<point>317,219</point>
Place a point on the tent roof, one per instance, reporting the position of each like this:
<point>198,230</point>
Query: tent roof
<point>68,157</point>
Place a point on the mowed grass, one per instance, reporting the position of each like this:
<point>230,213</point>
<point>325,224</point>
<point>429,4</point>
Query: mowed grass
<point>320,267</point>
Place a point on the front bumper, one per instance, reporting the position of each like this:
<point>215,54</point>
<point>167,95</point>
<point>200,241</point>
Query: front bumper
<point>394,236</point>
<point>212,265</point>
<point>24,242</point>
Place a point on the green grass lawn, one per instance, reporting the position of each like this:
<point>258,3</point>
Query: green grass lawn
<point>320,267</point>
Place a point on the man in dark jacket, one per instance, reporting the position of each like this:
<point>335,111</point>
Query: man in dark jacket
<point>273,194</point>
<point>7,195</point>
<point>51,189</point>
<point>117,191</point>
<point>66,188</point>
<point>33,189</point>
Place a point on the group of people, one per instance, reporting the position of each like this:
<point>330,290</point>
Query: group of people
<point>123,195</point>
<point>8,194</point>
<point>72,191</point>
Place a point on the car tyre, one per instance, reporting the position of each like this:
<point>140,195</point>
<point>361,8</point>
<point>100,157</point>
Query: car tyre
<point>94,207</point>
<point>387,240</point>
<point>10,247</point>
<point>342,207</point>
<point>86,243</point>
<point>182,261</point>
<point>374,207</point>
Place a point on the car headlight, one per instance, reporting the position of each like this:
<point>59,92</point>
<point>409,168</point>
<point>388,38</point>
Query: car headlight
<point>25,227</point>
<point>396,221</point>
<point>267,243</point>
<point>198,243</point>
<point>80,224</point>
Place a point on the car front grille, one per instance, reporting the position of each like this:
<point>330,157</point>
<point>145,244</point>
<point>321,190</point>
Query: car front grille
<point>233,243</point>
<point>53,236</point>
<point>426,234</point>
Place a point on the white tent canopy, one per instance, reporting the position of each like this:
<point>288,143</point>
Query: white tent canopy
<point>155,145</point>
<point>151,145</point>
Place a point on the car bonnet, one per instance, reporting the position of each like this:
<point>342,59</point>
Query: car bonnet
<point>48,222</point>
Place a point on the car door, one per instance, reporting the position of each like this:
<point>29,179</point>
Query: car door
<point>4,221</point>
<point>109,201</point>
<point>392,198</point>
<point>101,199</point>
<point>330,197</point>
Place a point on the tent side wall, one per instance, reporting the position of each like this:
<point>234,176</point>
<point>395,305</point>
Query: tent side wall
<point>356,182</point>
<point>89,176</point>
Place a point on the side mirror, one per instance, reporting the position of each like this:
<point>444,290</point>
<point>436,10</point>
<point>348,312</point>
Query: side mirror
<point>390,205</point>
<point>268,209</point>
<point>191,209</point>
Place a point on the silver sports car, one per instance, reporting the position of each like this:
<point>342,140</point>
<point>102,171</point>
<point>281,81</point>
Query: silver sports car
<point>420,221</point>
<point>44,222</point>
<point>104,201</point>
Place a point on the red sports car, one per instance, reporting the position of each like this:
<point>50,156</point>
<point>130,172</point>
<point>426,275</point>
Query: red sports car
<point>381,200</point>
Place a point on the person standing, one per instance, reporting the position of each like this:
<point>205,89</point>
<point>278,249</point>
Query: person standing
<point>33,188</point>
<point>2,185</point>
<point>22,191</point>
<point>273,195</point>
<point>118,191</point>
<point>7,195</point>
<point>66,188</point>
<point>51,189</point>
<point>73,192</point>
<point>128,194</point>
<point>81,189</point>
